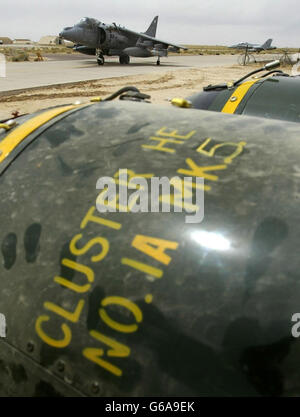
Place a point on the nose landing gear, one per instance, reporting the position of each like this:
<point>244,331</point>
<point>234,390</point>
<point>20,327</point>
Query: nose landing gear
<point>100,57</point>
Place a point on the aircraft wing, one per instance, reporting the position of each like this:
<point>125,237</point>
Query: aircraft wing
<point>150,38</point>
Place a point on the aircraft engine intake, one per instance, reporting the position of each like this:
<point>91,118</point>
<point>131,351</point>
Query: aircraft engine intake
<point>101,36</point>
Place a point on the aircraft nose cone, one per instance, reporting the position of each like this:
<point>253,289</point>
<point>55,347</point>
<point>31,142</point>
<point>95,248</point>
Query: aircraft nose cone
<point>66,33</point>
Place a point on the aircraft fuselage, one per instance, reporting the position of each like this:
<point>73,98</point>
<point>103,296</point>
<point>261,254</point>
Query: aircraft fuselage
<point>91,36</point>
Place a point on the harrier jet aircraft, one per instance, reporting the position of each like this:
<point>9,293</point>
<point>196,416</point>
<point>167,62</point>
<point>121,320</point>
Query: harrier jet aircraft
<point>92,37</point>
<point>252,47</point>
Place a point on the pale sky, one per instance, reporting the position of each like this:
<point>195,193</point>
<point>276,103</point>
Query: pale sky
<point>210,22</point>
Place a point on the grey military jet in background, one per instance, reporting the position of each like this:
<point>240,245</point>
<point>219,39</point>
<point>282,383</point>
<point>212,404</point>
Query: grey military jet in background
<point>252,47</point>
<point>92,37</point>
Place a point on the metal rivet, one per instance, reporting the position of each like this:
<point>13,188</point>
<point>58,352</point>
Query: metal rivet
<point>233,98</point>
<point>60,366</point>
<point>95,388</point>
<point>30,347</point>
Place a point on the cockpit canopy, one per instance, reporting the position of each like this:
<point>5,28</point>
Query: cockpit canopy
<point>88,22</point>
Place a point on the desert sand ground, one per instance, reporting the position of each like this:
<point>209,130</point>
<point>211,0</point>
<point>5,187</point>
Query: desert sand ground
<point>161,87</point>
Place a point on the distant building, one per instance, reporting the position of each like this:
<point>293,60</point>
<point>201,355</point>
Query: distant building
<point>5,41</point>
<point>69,44</point>
<point>22,42</point>
<point>51,40</point>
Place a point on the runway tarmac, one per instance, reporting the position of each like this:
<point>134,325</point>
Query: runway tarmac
<point>60,70</point>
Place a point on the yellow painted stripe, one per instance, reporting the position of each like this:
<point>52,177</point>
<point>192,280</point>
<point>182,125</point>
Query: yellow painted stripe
<point>13,139</point>
<point>232,104</point>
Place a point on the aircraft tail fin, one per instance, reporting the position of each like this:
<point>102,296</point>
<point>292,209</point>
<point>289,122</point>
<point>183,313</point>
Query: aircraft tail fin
<point>267,44</point>
<point>151,31</point>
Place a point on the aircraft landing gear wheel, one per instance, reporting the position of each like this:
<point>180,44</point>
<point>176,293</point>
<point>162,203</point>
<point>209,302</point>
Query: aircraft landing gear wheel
<point>158,62</point>
<point>124,59</point>
<point>100,60</point>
